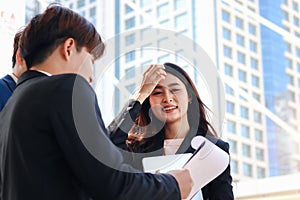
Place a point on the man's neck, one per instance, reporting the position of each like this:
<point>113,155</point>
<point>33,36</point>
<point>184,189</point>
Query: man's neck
<point>42,71</point>
<point>14,77</point>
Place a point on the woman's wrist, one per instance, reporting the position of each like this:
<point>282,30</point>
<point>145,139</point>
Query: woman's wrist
<point>140,97</point>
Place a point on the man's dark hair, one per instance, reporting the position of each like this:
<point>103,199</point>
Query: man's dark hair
<point>47,31</point>
<point>16,46</point>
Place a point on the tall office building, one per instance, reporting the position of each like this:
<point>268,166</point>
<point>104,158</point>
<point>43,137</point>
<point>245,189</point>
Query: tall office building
<point>281,82</point>
<point>255,47</point>
<point>239,59</point>
<point>258,44</point>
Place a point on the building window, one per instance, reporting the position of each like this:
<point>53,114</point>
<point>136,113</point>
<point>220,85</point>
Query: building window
<point>231,127</point>
<point>295,6</point>
<point>241,58</point>
<point>246,149</point>
<point>129,39</point>
<point>298,52</point>
<point>145,3</point>
<point>130,56</point>
<point>130,23</point>
<point>258,135</point>
<point>291,80</point>
<point>149,15</point>
<point>257,117</point>
<point>298,67</point>
<point>242,75</point>
<point>289,63</point>
<point>93,12</point>
<point>261,172</point>
<point>245,131</point>
<point>165,23</point>
<point>80,3</point>
<point>181,20</point>
<point>179,4</point>
<point>226,34</point>
<point>130,73</point>
<point>253,46</point>
<point>285,15</point>
<point>288,47</point>
<point>244,112</point>
<point>227,52</point>
<point>145,65</point>
<point>247,169</point>
<point>296,21</point>
<point>229,90</point>
<point>229,107</point>
<point>163,10</point>
<point>239,23</point>
<point>232,146</point>
<point>240,40</point>
<point>252,29</point>
<point>234,166</point>
<point>225,16</point>
<point>128,9</point>
<point>131,88</point>
<point>253,63</point>
<point>259,154</point>
<point>228,70</point>
<point>163,59</point>
<point>255,81</point>
<point>256,96</point>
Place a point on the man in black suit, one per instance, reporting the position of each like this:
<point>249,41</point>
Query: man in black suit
<point>53,142</point>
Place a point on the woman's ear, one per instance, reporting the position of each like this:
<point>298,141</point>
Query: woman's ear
<point>190,99</point>
<point>68,48</point>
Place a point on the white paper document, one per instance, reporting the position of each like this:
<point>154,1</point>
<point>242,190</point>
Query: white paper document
<point>207,162</point>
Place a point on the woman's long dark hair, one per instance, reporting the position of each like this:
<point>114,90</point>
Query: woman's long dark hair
<point>147,125</point>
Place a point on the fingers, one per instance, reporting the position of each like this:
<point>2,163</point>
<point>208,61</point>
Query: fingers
<point>154,74</point>
<point>151,78</point>
<point>154,66</point>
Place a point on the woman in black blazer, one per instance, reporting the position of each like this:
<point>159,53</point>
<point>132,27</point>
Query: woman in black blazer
<point>168,110</point>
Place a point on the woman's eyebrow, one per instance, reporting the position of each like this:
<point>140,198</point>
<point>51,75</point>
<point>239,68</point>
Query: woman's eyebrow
<point>173,84</point>
<point>170,85</point>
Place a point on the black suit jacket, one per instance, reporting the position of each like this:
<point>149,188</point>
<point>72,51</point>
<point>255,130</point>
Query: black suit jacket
<point>53,145</point>
<point>218,189</point>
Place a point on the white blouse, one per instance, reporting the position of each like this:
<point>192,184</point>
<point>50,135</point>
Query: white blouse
<point>172,145</point>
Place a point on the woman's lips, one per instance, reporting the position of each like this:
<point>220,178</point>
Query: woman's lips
<point>169,108</point>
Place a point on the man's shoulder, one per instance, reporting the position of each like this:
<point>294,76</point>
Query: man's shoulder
<point>6,78</point>
<point>68,82</point>
<point>58,82</point>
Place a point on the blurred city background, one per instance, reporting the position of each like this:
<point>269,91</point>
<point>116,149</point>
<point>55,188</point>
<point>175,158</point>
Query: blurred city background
<point>255,47</point>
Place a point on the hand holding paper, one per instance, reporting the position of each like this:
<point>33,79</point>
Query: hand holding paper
<point>207,162</point>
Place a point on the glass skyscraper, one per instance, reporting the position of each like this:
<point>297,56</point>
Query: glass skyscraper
<point>255,46</point>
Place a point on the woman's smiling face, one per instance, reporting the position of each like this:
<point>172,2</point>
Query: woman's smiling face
<point>169,100</point>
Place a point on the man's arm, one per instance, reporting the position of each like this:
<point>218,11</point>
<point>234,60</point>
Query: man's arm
<point>96,162</point>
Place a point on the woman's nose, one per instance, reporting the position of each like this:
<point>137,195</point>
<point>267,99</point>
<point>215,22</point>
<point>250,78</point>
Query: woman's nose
<point>168,97</point>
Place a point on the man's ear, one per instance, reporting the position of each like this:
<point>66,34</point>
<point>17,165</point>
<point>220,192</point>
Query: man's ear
<point>68,48</point>
<point>19,59</point>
